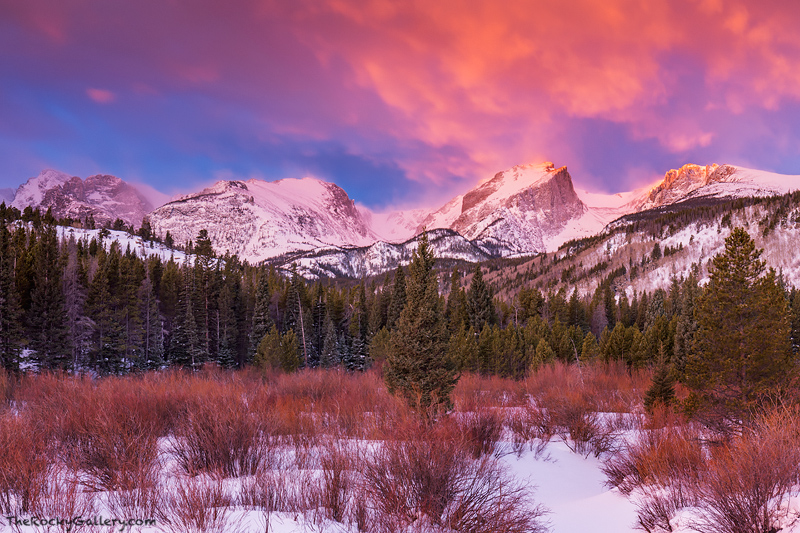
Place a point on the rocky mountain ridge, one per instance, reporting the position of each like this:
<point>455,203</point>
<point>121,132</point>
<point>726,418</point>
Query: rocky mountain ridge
<point>525,210</point>
<point>103,197</point>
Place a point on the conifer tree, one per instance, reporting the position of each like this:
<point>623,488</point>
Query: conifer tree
<point>331,348</point>
<point>47,316</point>
<point>75,294</point>
<point>456,310</point>
<point>231,314</point>
<point>741,354</point>
<point>463,348</point>
<point>686,325</point>
<point>184,345</point>
<point>418,367</point>
<point>10,309</point>
<point>278,352</point>
<point>152,353</point>
<point>589,349</point>
<point>479,302</point>
<point>262,320</point>
<point>662,388</point>
<point>398,301</point>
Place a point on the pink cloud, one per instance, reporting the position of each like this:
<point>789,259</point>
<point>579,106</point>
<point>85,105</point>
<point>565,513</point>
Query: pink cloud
<point>101,96</point>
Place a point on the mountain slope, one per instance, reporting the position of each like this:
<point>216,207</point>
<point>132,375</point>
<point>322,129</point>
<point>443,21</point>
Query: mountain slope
<point>714,181</point>
<point>106,198</point>
<point>258,219</point>
<point>447,245</point>
<point>517,212</point>
<point>686,243</point>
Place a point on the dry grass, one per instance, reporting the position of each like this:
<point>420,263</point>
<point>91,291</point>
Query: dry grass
<point>428,477</point>
<point>220,436</point>
<point>292,441</point>
<point>26,464</point>
<point>200,504</point>
<point>669,455</point>
<point>747,483</point>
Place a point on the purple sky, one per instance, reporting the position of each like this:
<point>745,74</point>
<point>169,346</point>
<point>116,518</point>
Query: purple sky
<point>400,103</point>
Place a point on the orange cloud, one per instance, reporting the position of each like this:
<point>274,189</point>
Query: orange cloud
<point>462,71</point>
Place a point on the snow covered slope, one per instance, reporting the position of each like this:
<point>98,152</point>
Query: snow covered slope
<point>31,193</point>
<point>258,219</point>
<point>714,181</point>
<point>516,212</point>
<point>106,198</point>
<point>380,257</point>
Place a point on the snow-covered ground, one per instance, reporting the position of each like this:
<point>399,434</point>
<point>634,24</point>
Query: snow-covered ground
<point>568,485</point>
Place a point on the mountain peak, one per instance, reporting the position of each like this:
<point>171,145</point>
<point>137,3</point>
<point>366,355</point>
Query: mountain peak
<point>678,183</point>
<point>32,191</point>
<point>103,196</point>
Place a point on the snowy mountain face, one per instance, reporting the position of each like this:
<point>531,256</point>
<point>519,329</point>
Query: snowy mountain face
<point>380,257</point>
<point>258,220</point>
<point>714,181</point>
<point>106,198</point>
<point>31,193</point>
<point>525,210</point>
<point>685,245</point>
<point>515,212</point>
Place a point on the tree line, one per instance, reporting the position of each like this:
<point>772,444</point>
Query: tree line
<point>80,304</point>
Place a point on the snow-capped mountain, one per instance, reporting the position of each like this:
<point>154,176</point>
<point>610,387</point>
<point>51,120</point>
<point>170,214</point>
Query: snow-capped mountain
<point>31,193</point>
<point>106,198</point>
<point>516,212</point>
<point>380,257</point>
<point>713,182</point>
<point>524,210</point>
<point>257,219</point>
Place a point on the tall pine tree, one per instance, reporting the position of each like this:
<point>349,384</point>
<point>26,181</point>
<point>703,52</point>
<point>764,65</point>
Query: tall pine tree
<point>741,353</point>
<point>417,366</point>
<point>10,308</point>
<point>47,316</point>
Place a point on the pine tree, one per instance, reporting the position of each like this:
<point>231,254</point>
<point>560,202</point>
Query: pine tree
<point>662,388</point>
<point>479,302</point>
<point>398,302</point>
<point>456,312</point>
<point>686,325</point>
<point>741,354</point>
<point>262,320</point>
<point>184,344</point>
<point>10,308</point>
<point>152,353</point>
<point>47,316</point>
<point>278,352</point>
<point>417,367</point>
<point>75,293</point>
<point>230,314</point>
<point>331,350</point>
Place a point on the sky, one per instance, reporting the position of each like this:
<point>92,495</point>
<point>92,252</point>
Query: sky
<point>401,103</point>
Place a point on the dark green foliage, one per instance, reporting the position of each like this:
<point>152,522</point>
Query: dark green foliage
<point>479,302</point>
<point>662,389</point>
<point>656,255</point>
<point>398,302</point>
<point>262,320</point>
<point>418,367</point>
<point>741,353</point>
<point>278,352</point>
<point>10,308</point>
<point>47,317</point>
<point>184,344</point>
<point>456,312</point>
